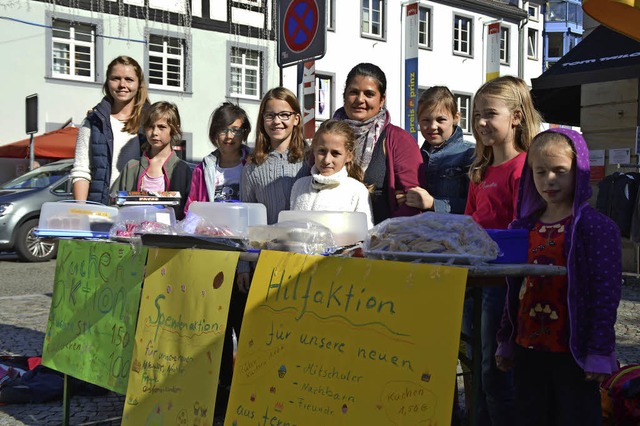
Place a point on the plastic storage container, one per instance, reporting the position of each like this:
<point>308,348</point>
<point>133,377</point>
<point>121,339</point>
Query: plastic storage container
<point>513,245</point>
<point>347,227</point>
<point>236,217</point>
<point>76,219</point>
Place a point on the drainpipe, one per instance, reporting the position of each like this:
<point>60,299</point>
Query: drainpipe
<point>522,38</point>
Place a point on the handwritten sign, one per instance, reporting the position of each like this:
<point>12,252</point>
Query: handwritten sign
<point>347,341</point>
<point>94,309</point>
<point>179,339</point>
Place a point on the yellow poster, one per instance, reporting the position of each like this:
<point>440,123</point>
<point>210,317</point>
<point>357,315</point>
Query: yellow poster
<point>179,337</point>
<point>337,341</point>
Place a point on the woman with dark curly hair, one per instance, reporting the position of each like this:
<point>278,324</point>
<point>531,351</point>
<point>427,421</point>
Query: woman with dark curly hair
<point>389,155</point>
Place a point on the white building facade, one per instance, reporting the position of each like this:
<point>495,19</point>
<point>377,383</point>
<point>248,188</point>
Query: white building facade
<point>221,50</point>
<point>225,50</point>
<point>451,39</point>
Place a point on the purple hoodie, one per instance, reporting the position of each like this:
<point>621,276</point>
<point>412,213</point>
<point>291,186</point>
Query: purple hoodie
<point>594,270</point>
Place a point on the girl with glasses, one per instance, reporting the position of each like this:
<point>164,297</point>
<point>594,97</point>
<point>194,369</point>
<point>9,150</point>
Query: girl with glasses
<point>278,158</point>
<point>217,177</point>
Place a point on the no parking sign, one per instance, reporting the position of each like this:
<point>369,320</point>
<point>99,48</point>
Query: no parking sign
<point>302,31</point>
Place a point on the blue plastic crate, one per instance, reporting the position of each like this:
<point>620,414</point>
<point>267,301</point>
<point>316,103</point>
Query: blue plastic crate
<point>513,244</point>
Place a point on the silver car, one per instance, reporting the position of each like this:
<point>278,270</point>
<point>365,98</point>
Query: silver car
<point>20,202</point>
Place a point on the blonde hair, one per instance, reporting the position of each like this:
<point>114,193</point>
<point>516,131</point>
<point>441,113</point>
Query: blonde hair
<point>297,145</point>
<point>342,129</point>
<point>515,93</point>
<point>169,112</point>
<point>547,144</point>
<point>141,98</point>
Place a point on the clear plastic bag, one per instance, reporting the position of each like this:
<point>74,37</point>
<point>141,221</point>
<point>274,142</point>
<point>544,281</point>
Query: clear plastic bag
<point>296,236</point>
<point>441,235</point>
<point>130,229</point>
<point>194,224</point>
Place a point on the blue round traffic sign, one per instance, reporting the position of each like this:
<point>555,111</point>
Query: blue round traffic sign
<point>300,24</point>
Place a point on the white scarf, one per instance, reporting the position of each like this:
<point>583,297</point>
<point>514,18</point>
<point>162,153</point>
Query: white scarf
<point>320,182</point>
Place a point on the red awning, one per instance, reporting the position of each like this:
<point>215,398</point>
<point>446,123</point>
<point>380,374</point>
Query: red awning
<point>57,144</point>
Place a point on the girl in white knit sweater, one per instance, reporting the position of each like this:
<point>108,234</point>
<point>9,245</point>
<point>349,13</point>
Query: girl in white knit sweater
<point>335,183</point>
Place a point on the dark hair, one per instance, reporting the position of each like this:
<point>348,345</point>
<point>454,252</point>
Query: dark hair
<point>169,112</point>
<point>224,116</point>
<point>133,123</point>
<point>366,69</point>
<point>437,96</point>
<point>340,128</point>
<point>297,144</point>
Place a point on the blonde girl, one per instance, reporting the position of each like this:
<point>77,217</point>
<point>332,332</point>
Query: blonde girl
<point>110,135</point>
<point>504,123</point>
<point>335,183</point>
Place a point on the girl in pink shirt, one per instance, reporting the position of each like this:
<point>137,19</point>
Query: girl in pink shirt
<point>504,123</point>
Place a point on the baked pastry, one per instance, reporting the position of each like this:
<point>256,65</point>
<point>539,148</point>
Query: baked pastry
<point>432,233</point>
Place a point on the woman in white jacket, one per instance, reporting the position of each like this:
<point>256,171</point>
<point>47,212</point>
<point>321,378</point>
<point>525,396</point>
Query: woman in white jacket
<point>335,183</point>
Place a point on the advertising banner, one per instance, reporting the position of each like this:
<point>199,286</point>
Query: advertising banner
<point>493,51</point>
<point>411,70</point>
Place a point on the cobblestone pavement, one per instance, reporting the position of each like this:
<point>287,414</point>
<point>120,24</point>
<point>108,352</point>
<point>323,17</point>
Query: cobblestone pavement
<point>23,321</point>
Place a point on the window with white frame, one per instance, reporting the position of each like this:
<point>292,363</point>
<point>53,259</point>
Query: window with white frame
<point>166,62</point>
<point>373,18</point>
<point>462,31</point>
<point>533,11</point>
<point>73,49</point>
<point>245,72</point>
<point>324,97</point>
<point>331,15</point>
<point>464,107</point>
<point>505,37</point>
<point>424,27</point>
<point>532,44</point>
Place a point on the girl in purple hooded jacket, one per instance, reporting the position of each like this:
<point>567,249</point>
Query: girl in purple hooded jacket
<point>557,332</point>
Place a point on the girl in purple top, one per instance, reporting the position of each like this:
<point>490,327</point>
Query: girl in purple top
<point>217,177</point>
<point>557,333</point>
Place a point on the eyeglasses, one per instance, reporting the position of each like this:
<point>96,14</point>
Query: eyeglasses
<point>283,115</point>
<point>234,131</point>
